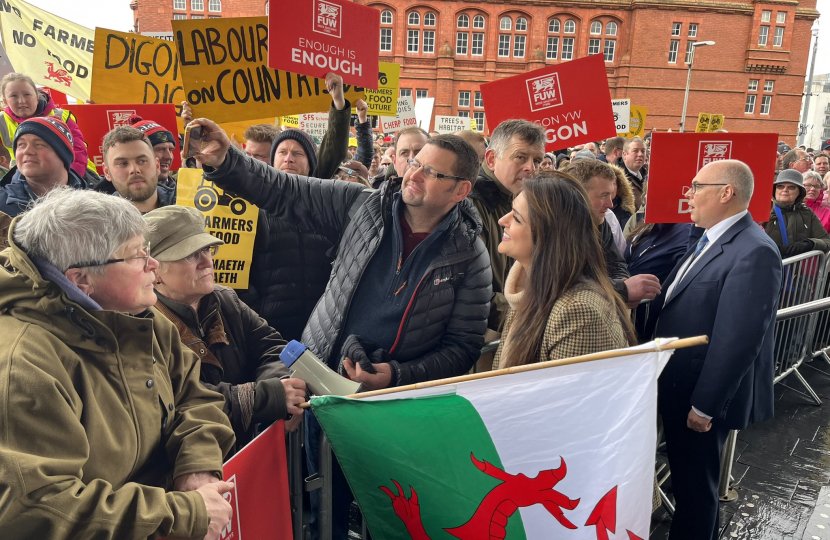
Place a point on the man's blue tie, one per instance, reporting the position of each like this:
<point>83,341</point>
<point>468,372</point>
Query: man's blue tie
<point>701,244</point>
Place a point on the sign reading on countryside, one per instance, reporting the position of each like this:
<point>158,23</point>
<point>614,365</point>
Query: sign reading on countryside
<point>676,159</point>
<point>226,78</point>
<point>54,52</point>
<point>571,101</point>
<point>97,120</point>
<point>315,37</point>
<point>130,68</point>
<point>227,217</point>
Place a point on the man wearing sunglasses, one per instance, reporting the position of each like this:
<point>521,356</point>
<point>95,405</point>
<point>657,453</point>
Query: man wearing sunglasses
<point>409,293</point>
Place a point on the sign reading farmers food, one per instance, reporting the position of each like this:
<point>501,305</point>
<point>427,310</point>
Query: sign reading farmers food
<point>571,101</point>
<point>97,120</point>
<point>622,113</point>
<point>226,78</point>
<point>315,37</point>
<point>130,68</point>
<point>382,102</point>
<point>227,216</point>
<point>404,119</point>
<point>451,124</point>
<point>676,159</point>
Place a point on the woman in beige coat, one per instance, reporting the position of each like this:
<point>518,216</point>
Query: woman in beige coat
<point>561,299</point>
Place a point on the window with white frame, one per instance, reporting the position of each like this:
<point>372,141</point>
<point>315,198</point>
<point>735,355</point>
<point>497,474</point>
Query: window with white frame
<point>214,16</point>
<point>478,44</point>
<point>611,29</point>
<point>766,101</point>
<point>673,46</point>
<point>554,27</point>
<point>750,104</point>
<point>596,28</point>
<point>753,85</point>
<point>610,48</point>
<point>768,86</point>
<point>690,51</point>
<point>693,30</point>
<point>414,19</point>
<point>593,46</point>
<point>478,116</point>
<point>763,34</point>
<point>405,92</point>
<point>385,39</point>
<point>478,22</point>
<point>781,17</point>
<point>215,6</point>
<point>766,16</point>
<point>506,23</point>
<point>479,102</point>
<point>461,42</point>
<point>385,17</point>
<point>463,21</point>
<point>568,48</point>
<point>179,4</point>
<point>464,114</point>
<point>676,28</point>
<point>464,98</point>
<point>412,41</point>
<point>553,48</point>
<point>179,16</point>
<point>429,41</point>
<point>778,38</point>
<point>420,93</point>
<point>197,5</point>
<point>570,27</point>
<point>197,16</point>
<point>462,39</point>
<point>429,19</point>
<point>519,46</point>
<point>521,24</point>
<point>504,45</point>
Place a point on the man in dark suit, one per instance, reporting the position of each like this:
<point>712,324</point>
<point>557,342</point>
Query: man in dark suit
<point>725,287</point>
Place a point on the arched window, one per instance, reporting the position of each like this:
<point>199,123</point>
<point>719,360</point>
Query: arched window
<point>386,32</point>
<point>512,44</point>
<point>478,22</point>
<point>506,23</point>
<point>385,17</point>
<point>469,44</point>
<point>521,24</point>
<point>596,28</point>
<point>414,43</point>
<point>429,19</point>
<point>554,27</point>
<point>611,29</point>
<point>570,27</point>
<point>463,21</point>
<point>414,19</point>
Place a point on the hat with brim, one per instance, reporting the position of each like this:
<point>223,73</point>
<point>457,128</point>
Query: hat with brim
<point>790,176</point>
<point>176,232</point>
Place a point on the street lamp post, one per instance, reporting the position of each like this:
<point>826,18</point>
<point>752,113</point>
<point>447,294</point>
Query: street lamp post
<point>689,80</point>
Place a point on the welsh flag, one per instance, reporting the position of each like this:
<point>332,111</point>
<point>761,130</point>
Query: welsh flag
<point>564,452</point>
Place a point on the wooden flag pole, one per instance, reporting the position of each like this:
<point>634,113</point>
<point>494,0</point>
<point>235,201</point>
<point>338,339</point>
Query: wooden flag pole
<point>676,344</point>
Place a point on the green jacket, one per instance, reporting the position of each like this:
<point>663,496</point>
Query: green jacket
<point>493,200</point>
<point>100,411</point>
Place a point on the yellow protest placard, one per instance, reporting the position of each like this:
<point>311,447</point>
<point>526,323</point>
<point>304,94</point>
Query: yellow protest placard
<point>292,121</point>
<point>703,120</point>
<point>473,125</point>
<point>131,68</point>
<point>384,100</point>
<point>636,123</point>
<point>716,122</point>
<point>54,52</point>
<point>228,217</point>
<point>225,73</point>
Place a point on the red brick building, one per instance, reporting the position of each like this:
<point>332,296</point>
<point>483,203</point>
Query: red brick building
<point>754,75</point>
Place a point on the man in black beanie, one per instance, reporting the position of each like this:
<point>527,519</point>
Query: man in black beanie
<point>43,152</point>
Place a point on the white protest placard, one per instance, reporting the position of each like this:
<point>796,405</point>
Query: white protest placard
<point>451,124</point>
<point>315,124</point>
<point>622,113</point>
<point>423,112</point>
<point>406,117</point>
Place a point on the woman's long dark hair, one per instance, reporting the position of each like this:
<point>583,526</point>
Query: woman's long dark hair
<point>566,250</point>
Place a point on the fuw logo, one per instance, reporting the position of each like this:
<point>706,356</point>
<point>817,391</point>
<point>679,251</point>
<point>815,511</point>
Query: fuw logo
<point>544,92</point>
<point>711,151</point>
<point>327,19</point>
<point>119,118</point>
<point>232,530</point>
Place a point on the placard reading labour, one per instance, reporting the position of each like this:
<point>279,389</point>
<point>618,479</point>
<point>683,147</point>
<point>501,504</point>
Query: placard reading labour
<point>406,117</point>
<point>676,159</point>
<point>315,37</point>
<point>570,101</point>
<point>226,79</point>
<point>227,217</point>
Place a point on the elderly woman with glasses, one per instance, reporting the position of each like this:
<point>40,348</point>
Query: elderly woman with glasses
<point>107,431</point>
<point>238,349</point>
<point>793,226</point>
<point>814,187</point>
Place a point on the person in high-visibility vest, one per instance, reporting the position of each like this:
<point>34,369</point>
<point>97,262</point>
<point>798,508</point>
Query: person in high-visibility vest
<point>23,100</point>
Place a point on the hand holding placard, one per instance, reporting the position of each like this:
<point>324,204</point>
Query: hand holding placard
<point>218,509</point>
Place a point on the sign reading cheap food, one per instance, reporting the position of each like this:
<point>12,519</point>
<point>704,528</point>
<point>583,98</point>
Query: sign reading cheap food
<point>225,73</point>
<point>54,52</point>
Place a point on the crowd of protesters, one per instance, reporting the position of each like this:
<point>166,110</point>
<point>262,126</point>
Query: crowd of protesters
<point>129,375</point>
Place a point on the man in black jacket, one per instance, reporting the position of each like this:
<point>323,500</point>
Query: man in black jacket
<point>633,162</point>
<point>599,181</point>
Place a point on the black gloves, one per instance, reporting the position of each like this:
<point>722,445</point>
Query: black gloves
<point>364,353</point>
<point>791,250</point>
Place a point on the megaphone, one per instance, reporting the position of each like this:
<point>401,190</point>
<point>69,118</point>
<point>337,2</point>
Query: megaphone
<point>319,378</point>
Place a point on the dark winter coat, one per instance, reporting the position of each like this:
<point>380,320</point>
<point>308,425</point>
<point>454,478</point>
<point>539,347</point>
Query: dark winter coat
<point>614,262</point>
<point>638,188</point>
<point>443,327</point>
<point>16,196</point>
<point>801,223</point>
<point>167,194</point>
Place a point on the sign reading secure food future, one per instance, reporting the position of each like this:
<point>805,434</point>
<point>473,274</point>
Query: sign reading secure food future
<point>226,77</point>
<point>571,101</point>
<point>227,217</point>
<point>130,68</point>
<point>54,52</point>
<point>315,37</point>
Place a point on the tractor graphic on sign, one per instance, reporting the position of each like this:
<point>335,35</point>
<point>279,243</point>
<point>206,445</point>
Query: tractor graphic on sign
<point>208,196</point>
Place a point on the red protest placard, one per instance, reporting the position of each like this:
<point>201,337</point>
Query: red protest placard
<point>96,121</point>
<point>315,37</point>
<point>571,101</point>
<point>677,157</point>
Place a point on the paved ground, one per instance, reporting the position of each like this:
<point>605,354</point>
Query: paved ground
<point>781,470</point>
